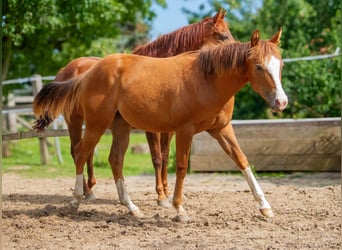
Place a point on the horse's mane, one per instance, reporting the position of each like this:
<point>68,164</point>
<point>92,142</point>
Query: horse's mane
<point>190,37</point>
<point>216,58</point>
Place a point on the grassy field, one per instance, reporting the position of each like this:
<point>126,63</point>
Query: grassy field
<point>25,159</point>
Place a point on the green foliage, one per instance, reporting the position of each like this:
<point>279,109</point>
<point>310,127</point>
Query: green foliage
<point>41,36</point>
<point>310,27</point>
<point>240,15</point>
<point>313,88</point>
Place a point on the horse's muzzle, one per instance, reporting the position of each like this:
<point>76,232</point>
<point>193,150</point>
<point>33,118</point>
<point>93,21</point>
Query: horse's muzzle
<point>279,104</point>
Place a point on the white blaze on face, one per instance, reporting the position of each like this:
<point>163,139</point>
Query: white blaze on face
<point>273,67</point>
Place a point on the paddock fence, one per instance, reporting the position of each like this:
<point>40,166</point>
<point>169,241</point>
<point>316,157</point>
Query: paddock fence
<point>275,145</point>
<point>270,145</point>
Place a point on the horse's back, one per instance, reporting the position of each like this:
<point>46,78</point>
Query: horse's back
<point>143,69</point>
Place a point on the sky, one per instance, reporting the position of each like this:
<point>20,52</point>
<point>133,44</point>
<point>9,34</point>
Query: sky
<point>172,17</point>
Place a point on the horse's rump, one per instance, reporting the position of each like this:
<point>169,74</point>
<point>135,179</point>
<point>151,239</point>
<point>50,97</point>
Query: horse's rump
<point>76,67</point>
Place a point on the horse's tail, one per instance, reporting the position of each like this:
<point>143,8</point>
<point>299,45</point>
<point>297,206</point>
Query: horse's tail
<point>53,99</point>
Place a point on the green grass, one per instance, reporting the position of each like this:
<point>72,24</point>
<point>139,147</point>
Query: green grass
<point>25,159</point>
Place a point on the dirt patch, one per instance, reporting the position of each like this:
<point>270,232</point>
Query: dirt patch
<point>224,215</point>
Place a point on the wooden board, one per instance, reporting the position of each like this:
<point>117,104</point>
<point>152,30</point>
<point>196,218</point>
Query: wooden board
<point>275,145</point>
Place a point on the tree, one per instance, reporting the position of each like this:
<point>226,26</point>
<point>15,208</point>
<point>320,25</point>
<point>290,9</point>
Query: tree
<point>241,15</point>
<point>310,27</point>
<point>43,35</point>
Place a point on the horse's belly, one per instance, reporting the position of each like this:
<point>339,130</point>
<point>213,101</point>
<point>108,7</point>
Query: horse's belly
<point>147,122</point>
<point>147,117</point>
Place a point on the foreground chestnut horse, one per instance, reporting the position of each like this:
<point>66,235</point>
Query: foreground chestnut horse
<point>182,94</point>
<point>191,37</point>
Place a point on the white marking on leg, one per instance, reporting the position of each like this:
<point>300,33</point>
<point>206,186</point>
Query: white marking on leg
<point>78,192</point>
<point>123,196</point>
<point>182,215</point>
<point>79,185</point>
<point>255,188</point>
<point>180,210</point>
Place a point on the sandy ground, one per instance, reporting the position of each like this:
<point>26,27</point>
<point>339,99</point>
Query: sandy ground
<point>223,214</point>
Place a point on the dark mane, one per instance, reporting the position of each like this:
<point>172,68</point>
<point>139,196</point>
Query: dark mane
<point>214,59</point>
<point>190,37</point>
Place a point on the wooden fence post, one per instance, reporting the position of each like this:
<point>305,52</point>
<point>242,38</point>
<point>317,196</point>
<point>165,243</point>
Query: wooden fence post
<point>44,151</point>
<point>11,117</point>
<point>37,84</point>
<point>9,124</point>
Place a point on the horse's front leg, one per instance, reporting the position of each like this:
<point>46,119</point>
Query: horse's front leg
<point>183,143</point>
<point>121,132</point>
<point>227,139</point>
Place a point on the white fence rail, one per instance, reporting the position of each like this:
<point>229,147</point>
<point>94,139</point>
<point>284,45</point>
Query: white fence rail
<point>12,110</point>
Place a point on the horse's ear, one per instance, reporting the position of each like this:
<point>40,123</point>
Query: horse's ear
<point>217,16</point>
<point>255,38</point>
<point>276,37</point>
<point>223,13</point>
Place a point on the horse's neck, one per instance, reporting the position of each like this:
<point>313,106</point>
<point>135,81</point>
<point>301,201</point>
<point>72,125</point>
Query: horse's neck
<point>228,85</point>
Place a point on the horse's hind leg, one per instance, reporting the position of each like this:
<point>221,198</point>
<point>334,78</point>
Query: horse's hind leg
<point>121,132</point>
<point>75,134</point>
<point>82,151</point>
<point>154,144</point>
<point>165,141</point>
<point>88,192</point>
<point>95,127</point>
<point>227,139</point>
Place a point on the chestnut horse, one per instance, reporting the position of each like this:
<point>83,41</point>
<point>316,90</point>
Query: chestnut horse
<point>191,37</point>
<point>183,94</point>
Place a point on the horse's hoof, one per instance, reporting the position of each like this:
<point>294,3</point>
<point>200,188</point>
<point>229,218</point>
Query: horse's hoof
<point>164,203</point>
<point>71,209</point>
<point>182,218</point>
<point>74,204</point>
<point>90,197</point>
<point>267,212</point>
<point>137,213</point>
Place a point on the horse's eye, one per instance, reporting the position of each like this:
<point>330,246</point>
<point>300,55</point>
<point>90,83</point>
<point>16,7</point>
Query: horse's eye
<point>258,67</point>
<point>222,36</point>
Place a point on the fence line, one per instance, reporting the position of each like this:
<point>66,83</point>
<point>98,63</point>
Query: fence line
<point>48,133</point>
<point>311,58</point>
<point>305,58</point>
<point>36,81</point>
<point>27,79</point>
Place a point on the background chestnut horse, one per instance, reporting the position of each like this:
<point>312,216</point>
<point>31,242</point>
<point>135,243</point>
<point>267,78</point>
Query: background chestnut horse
<point>182,94</point>
<point>191,37</point>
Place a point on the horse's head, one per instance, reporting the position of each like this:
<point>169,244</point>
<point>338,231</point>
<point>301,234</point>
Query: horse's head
<point>216,29</point>
<point>264,70</point>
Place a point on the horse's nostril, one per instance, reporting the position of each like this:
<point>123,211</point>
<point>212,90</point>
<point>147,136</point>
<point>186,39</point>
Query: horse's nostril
<point>281,104</point>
